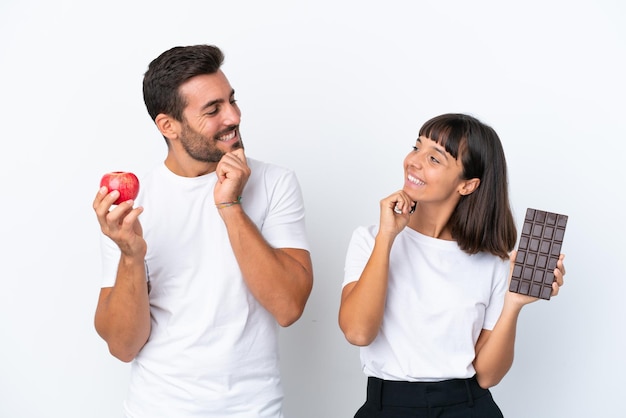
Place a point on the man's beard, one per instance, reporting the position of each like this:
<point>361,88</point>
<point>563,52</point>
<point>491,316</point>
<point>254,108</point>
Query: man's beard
<point>202,148</point>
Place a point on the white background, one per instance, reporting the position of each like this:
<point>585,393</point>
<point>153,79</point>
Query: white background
<point>336,90</point>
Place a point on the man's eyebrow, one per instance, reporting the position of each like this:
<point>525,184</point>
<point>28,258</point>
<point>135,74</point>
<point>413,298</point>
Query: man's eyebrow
<point>217,101</point>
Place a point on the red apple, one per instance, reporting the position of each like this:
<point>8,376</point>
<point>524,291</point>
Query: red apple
<point>123,181</point>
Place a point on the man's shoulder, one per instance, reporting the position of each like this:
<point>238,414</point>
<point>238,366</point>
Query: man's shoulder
<point>265,164</point>
<point>267,169</point>
<point>155,170</point>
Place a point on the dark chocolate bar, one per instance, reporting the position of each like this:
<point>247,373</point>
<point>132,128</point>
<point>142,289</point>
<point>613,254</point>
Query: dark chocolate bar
<point>538,251</point>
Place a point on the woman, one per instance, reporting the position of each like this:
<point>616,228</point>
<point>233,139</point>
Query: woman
<point>425,291</point>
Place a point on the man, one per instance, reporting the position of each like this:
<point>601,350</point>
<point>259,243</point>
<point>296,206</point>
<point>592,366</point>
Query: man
<point>194,289</point>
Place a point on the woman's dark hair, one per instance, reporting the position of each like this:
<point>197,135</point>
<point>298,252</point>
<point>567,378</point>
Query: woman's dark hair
<point>171,69</point>
<point>482,220</point>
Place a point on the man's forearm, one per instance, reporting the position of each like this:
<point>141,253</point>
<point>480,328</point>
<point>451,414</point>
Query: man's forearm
<point>280,279</point>
<point>123,313</point>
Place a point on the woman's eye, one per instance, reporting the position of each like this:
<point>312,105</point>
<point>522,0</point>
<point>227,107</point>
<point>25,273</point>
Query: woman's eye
<point>434,160</point>
<point>415,148</point>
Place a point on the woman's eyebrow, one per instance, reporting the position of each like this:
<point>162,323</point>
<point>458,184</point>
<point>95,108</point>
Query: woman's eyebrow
<point>441,151</point>
<point>438,148</point>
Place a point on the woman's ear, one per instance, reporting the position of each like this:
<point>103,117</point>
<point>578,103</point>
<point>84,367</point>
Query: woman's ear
<point>469,186</point>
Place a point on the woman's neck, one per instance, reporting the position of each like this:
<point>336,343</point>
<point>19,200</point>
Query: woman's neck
<point>432,220</point>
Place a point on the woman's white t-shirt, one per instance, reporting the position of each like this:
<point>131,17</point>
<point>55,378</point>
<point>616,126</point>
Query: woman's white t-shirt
<point>439,299</point>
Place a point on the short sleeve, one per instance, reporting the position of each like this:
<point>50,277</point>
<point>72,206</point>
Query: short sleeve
<point>284,226</point>
<point>358,253</point>
<point>499,289</point>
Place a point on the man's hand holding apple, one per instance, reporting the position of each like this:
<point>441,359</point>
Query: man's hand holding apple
<point>118,219</point>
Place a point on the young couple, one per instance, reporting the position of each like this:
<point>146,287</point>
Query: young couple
<point>195,289</point>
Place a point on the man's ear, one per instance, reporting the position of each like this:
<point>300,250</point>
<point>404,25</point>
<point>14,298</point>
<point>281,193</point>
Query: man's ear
<point>469,186</point>
<point>168,126</point>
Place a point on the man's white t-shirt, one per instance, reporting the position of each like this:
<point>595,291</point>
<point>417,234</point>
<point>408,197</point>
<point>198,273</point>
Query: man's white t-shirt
<point>439,299</point>
<point>212,350</point>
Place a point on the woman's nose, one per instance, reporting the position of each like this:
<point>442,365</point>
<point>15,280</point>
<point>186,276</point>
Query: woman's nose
<point>416,159</point>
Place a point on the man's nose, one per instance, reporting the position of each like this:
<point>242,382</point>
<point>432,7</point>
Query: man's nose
<point>232,115</point>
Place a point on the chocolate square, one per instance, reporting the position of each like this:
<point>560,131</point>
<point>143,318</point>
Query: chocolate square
<point>538,251</point>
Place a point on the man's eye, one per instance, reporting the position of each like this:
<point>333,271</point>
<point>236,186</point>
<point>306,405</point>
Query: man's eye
<point>433,159</point>
<point>233,101</point>
<point>213,111</point>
